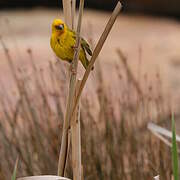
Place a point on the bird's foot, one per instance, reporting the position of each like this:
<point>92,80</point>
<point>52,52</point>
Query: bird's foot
<point>74,47</point>
<point>72,70</point>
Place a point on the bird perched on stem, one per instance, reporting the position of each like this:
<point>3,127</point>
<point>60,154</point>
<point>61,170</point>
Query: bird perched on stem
<point>63,42</point>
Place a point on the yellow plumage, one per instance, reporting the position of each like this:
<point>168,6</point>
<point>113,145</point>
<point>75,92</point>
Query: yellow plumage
<point>63,42</point>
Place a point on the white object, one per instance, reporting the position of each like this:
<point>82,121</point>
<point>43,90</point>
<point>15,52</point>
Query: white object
<point>156,177</point>
<point>158,129</point>
<point>45,177</point>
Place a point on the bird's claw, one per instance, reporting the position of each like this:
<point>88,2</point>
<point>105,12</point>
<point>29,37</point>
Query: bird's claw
<point>74,47</point>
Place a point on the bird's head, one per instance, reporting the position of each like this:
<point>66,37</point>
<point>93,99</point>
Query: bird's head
<point>58,26</point>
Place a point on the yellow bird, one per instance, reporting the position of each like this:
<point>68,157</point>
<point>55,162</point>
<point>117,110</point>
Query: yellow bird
<point>63,42</point>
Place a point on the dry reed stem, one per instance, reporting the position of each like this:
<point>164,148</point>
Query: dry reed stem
<point>76,141</point>
<point>160,132</point>
<point>163,131</point>
<point>97,50</point>
<point>10,62</point>
<point>162,138</point>
<point>63,151</point>
<point>73,13</point>
<point>67,10</point>
<point>129,72</point>
<point>82,173</point>
<point>68,151</point>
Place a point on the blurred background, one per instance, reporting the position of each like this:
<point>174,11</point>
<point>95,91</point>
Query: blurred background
<point>165,7</point>
<point>136,80</point>
<point>151,25</point>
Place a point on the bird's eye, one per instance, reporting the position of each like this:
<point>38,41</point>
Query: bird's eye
<point>59,27</point>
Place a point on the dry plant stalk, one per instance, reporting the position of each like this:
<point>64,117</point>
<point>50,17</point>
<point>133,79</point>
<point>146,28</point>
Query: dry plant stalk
<point>162,131</point>
<point>67,10</point>
<point>63,151</point>
<point>129,72</point>
<point>73,13</point>
<point>68,151</point>
<point>97,50</point>
<point>10,62</point>
<point>76,141</point>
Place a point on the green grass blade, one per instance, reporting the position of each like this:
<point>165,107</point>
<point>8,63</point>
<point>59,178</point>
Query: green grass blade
<point>15,169</point>
<point>174,151</point>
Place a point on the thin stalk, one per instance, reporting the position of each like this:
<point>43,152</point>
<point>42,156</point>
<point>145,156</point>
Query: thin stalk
<point>76,141</point>
<point>174,151</point>
<point>129,72</point>
<point>67,9</point>
<point>68,152</point>
<point>73,13</point>
<point>15,169</point>
<point>97,50</point>
<point>63,151</point>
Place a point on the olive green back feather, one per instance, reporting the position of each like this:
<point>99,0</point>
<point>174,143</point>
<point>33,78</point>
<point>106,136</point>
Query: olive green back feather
<point>84,44</point>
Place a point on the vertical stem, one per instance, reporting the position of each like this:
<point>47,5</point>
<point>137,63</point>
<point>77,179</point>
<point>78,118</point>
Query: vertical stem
<point>76,141</point>
<point>97,50</point>
<point>68,151</point>
<point>72,85</point>
<point>73,13</point>
<point>67,12</point>
<point>82,173</point>
<point>129,72</point>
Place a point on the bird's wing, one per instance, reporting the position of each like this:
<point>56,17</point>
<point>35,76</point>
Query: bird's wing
<point>72,33</point>
<point>84,44</point>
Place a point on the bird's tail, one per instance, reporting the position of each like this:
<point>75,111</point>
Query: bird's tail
<point>85,62</point>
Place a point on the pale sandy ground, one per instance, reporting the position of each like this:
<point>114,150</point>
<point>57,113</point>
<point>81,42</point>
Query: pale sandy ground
<point>159,39</point>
